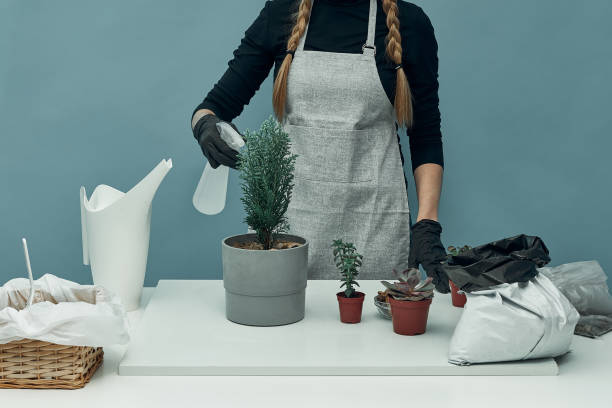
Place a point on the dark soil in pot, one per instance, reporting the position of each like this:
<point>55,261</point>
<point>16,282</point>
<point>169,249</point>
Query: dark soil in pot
<point>254,245</point>
<point>409,317</point>
<point>350,308</point>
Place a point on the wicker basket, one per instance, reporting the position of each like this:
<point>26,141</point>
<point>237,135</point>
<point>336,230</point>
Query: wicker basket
<point>38,364</point>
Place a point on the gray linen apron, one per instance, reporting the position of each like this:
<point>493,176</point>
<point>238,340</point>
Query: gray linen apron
<point>349,180</point>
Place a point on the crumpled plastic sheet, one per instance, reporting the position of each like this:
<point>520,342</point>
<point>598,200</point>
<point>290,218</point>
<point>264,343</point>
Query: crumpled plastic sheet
<point>593,326</point>
<point>585,286</point>
<point>507,260</point>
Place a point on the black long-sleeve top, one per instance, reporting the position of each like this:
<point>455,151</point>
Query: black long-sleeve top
<point>340,26</point>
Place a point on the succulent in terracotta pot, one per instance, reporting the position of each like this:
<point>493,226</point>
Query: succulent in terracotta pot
<point>410,298</point>
<point>348,261</point>
<point>458,299</point>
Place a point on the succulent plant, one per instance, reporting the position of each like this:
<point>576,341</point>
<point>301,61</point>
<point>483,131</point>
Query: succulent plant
<point>409,287</point>
<point>454,251</point>
<point>348,262</point>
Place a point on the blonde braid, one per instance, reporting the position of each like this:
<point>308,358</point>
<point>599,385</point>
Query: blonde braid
<point>279,96</point>
<point>403,96</point>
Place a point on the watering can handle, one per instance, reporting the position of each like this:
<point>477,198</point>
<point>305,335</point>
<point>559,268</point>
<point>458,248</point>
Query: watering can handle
<point>84,228</point>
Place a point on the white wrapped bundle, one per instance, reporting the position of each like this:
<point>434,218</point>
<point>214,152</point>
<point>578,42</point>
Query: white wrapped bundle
<point>63,312</point>
<point>517,321</point>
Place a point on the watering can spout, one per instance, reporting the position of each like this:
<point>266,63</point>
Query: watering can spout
<point>145,190</point>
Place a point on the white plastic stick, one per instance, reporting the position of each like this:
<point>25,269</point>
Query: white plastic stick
<point>27,259</point>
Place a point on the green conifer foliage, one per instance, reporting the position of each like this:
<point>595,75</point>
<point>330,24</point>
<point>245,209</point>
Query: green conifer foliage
<point>266,168</point>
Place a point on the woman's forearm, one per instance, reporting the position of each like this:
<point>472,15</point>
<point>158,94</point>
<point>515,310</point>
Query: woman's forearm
<point>428,180</point>
<point>198,115</point>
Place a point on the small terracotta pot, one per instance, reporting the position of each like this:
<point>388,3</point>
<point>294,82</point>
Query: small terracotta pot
<point>409,318</point>
<point>458,299</point>
<point>350,308</point>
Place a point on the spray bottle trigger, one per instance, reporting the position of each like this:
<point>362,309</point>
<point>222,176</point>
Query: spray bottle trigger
<point>230,136</point>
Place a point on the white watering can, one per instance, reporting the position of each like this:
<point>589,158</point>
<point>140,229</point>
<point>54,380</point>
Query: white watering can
<point>115,229</point>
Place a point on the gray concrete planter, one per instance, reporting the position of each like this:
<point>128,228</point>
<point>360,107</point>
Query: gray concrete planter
<point>264,288</point>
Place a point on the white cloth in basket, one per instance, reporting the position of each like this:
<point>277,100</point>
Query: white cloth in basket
<point>63,312</point>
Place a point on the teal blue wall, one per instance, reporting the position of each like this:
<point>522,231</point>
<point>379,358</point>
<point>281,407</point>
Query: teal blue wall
<point>99,92</point>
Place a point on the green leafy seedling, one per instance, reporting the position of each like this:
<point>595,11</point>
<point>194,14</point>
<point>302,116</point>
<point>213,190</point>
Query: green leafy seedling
<point>348,262</point>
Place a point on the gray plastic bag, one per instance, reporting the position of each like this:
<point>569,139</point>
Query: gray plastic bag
<point>585,286</point>
<point>593,326</point>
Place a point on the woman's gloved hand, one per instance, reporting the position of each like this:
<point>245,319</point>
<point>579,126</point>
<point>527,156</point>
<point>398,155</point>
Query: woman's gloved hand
<point>426,249</point>
<point>214,148</point>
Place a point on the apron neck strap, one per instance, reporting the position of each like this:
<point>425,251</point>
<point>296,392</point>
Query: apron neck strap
<point>369,44</point>
<point>368,47</point>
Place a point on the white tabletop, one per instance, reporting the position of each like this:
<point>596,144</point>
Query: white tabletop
<point>584,380</point>
<point>184,331</point>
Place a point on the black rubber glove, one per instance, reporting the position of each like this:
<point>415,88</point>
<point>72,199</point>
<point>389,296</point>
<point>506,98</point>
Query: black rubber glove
<point>426,249</point>
<point>214,148</point>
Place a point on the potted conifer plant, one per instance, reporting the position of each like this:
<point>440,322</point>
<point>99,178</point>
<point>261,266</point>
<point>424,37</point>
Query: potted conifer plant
<point>348,262</point>
<point>409,298</point>
<point>265,273</point>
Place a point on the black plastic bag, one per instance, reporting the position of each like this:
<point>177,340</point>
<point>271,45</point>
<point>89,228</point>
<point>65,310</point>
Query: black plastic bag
<point>508,260</point>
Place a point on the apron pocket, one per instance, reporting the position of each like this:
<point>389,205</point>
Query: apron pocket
<point>332,155</point>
